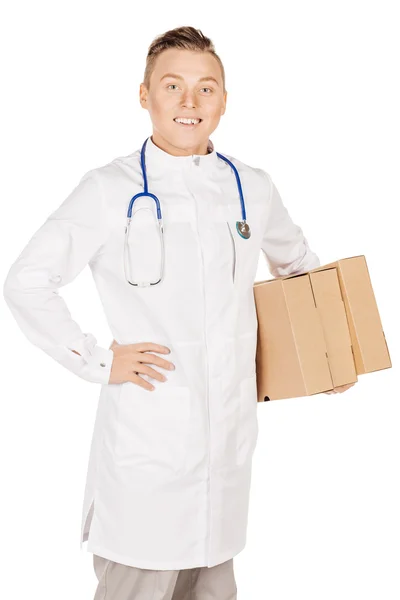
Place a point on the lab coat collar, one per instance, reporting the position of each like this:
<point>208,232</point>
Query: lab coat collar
<point>159,161</point>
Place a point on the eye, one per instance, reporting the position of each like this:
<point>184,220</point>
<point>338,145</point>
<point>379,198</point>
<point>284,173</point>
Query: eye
<point>171,84</point>
<point>206,88</point>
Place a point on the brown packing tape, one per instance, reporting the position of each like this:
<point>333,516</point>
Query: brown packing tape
<point>332,313</point>
<point>308,334</point>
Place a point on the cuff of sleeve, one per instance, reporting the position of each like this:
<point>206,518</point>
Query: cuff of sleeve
<point>96,360</point>
<point>97,366</point>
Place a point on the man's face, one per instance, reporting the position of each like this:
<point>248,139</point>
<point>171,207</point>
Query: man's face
<point>184,84</point>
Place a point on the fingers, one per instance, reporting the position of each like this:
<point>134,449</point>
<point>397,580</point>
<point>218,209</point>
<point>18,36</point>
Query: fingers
<point>343,388</point>
<point>135,378</point>
<point>141,368</point>
<point>340,388</point>
<point>146,346</point>
<point>142,357</point>
<point>131,360</point>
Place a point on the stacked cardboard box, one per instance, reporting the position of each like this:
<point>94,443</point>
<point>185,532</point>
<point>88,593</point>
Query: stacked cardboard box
<point>317,330</point>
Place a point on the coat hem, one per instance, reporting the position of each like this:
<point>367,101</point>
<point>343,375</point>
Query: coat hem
<point>140,564</point>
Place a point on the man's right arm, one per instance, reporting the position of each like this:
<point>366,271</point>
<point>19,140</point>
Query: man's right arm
<point>54,256</point>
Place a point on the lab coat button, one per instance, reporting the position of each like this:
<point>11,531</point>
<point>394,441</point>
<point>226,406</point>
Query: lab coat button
<point>102,364</point>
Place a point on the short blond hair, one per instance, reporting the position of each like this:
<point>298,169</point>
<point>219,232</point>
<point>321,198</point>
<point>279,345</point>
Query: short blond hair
<point>187,38</point>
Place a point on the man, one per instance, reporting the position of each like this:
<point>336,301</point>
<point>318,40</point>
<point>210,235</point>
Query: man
<point>166,498</point>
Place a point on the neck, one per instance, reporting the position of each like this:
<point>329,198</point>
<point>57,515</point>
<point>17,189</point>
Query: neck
<point>165,145</point>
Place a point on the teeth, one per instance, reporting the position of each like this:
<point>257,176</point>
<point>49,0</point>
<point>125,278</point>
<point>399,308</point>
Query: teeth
<point>187,121</point>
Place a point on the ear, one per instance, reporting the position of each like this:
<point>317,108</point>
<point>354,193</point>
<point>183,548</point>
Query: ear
<point>143,94</point>
<point>224,106</point>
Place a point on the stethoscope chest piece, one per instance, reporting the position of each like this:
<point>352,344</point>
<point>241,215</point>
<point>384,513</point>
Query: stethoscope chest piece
<point>243,229</point>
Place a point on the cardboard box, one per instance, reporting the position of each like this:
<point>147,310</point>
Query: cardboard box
<point>371,352</point>
<point>317,330</point>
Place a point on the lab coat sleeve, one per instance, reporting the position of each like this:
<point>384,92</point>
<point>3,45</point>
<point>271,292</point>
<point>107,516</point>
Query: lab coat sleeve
<point>284,245</point>
<point>59,250</point>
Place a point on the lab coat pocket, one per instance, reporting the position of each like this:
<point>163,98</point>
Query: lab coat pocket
<point>221,246</point>
<point>247,425</point>
<point>153,427</point>
<point>246,253</point>
<point>233,247</point>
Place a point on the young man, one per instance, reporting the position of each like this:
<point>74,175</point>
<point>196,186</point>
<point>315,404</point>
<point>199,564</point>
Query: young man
<point>166,498</point>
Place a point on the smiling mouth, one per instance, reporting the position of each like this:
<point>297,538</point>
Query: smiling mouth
<point>188,123</point>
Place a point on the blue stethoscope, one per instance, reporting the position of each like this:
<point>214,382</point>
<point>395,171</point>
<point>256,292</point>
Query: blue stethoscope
<point>242,226</point>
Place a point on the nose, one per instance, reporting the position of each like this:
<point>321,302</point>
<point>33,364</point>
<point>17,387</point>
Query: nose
<point>187,99</point>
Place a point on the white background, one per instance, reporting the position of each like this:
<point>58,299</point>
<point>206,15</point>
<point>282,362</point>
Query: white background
<point>313,98</point>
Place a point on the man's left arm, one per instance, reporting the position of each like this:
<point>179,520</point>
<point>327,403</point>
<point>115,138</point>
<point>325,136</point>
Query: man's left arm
<point>286,248</point>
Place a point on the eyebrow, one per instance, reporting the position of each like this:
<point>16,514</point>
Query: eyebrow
<point>207,78</point>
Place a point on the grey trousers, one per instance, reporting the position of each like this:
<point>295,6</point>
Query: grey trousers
<point>122,582</point>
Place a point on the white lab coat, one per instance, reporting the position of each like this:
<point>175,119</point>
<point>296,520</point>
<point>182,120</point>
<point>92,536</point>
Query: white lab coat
<point>169,470</point>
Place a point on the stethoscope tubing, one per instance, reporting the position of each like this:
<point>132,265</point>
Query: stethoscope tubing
<point>150,195</point>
